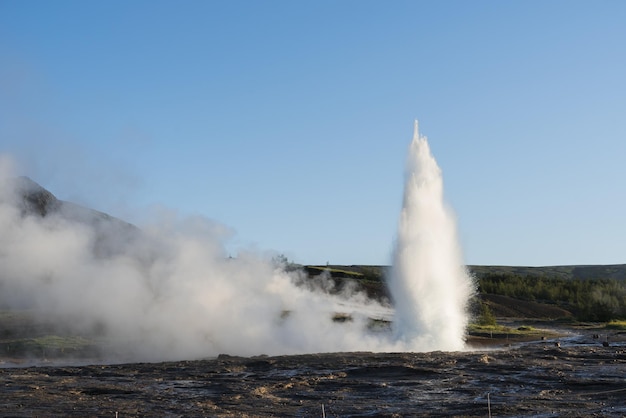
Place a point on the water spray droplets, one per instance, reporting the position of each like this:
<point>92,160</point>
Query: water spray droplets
<point>428,283</point>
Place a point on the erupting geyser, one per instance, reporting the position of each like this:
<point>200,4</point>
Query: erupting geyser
<point>428,282</point>
<point>167,291</point>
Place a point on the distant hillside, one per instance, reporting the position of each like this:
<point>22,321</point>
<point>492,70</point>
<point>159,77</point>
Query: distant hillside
<point>582,272</point>
<point>37,200</point>
<point>111,233</point>
<point>575,272</point>
<point>588,293</point>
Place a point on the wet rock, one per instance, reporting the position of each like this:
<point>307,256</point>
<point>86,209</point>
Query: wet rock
<point>524,381</point>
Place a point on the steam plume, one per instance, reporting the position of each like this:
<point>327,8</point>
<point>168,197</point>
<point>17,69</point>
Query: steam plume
<point>428,283</point>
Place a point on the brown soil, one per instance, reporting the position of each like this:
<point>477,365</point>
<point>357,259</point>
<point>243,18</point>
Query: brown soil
<point>507,307</point>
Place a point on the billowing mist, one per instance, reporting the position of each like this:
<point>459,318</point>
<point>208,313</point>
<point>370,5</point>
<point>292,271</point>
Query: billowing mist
<point>168,290</point>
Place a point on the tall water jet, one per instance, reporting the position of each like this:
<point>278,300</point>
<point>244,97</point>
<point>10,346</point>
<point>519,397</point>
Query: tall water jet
<point>428,282</point>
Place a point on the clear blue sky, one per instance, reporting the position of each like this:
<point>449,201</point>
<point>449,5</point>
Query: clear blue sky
<point>289,121</point>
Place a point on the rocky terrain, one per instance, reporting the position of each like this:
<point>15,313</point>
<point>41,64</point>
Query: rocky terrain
<point>579,378</point>
<point>555,370</point>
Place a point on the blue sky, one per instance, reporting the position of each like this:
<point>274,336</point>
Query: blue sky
<point>289,121</point>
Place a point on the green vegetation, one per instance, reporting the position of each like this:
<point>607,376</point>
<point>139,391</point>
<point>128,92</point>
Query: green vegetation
<point>501,331</point>
<point>618,325</point>
<point>611,271</point>
<point>522,333</point>
<point>495,328</point>
<point>485,317</point>
<point>61,343</point>
<point>590,293</point>
<point>47,344</point>
<point>589,300</point>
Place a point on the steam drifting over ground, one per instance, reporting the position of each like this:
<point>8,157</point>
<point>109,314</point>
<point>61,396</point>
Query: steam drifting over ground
<point>168,290</point>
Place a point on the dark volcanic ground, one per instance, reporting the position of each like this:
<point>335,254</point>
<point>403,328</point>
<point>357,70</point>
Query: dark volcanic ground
<point>580,378</point>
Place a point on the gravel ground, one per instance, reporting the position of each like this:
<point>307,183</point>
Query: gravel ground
<point>579,378</point>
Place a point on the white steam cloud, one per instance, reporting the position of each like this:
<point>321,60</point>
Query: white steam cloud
<point>169,291</point>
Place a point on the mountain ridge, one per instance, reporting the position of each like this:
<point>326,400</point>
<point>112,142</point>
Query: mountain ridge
<point>112,235</point>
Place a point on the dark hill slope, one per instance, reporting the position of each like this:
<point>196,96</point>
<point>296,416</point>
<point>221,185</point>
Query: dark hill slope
<point>574,272</point>
<point>586,292</point>
<point>508,307</point>
<point>35,200</point>
<point>581,272</point>
<point>111,234</point>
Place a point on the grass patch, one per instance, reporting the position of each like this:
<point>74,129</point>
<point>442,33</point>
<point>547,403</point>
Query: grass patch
<point>57,342</point>
<point>488,328</point>
<point>616,324</point>
<point>48,344</point>
<point>9,315</point>
<point>500,331</point>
